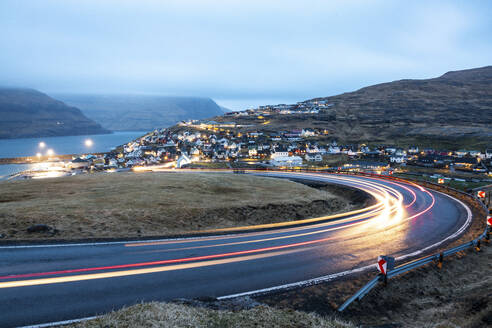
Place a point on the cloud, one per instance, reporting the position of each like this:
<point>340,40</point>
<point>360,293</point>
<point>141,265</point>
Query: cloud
<point>236,49</point>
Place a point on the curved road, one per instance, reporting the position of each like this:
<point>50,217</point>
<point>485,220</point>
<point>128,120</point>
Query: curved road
<point>40,284</point>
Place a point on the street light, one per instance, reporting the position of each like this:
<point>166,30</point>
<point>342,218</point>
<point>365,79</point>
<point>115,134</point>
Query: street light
<point>88,143</point>
<point>38,155</point>
<point>42,145</point>
<point>50,152</point>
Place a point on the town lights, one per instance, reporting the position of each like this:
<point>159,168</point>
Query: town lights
<point>38,155</point>
<point>88,143</point>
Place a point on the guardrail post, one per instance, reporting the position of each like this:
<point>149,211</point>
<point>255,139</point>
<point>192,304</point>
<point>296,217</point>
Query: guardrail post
<point>477,246</point>
<point>441,259</point>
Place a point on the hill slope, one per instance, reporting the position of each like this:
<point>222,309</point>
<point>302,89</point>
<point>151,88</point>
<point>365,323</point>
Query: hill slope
<point>452,111</point>
<point>458,104</point>
<point>29,113</point>
<point>141,112</point>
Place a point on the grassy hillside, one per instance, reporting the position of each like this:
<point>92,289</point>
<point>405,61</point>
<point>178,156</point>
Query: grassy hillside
<point>29,113</point>
<point>449,112</point>
<point>146,204</point>
<point>455,108</point>
<point>141,112</point>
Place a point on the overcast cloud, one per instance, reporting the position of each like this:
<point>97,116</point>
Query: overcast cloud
<point>237,52</point>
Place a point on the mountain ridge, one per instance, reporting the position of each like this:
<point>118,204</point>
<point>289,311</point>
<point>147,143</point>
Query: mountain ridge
<point>29,113</point>
<point>141,112</point>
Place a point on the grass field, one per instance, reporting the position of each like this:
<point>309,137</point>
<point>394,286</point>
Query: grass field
<point>149,204</point>
<point>178,315</point>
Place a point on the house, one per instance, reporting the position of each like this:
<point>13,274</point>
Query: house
<point>398,159</point>
<point>252,151</point>
<point>400,152</point>
<point>366,166</point>
<point>488,153</point>
<point>466,163</point>
<point>313,157</point>
<point>431,160</point>
<point>112,163</point>
<point>308,133</point>
<point>461,152</point>
<point>280,152</point>
<point>79,163</point>
<point>333,149</point>
<point>288,161</point>
<point>183,160</point>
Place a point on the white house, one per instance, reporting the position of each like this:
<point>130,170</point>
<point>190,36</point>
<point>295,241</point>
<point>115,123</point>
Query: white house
<point>312,149</point>
<point>398,159</point>
<point>308,133</point>
<point>289,161</point>
<point>313,157</point>
<point>113,163</point>
<point>333,150</point>
<point>183,160</point>
<point>280,153</point>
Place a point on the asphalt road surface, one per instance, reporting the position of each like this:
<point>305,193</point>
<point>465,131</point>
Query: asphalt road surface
<point>41,284</point>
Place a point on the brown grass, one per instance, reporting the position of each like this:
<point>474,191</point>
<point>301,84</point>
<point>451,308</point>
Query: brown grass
<point>178,315</point>
<point>149,204</point>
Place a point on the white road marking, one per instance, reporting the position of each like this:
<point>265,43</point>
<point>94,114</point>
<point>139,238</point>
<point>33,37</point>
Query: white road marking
<point>60,323</point>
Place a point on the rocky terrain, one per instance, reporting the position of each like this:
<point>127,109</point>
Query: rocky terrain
<point>29,113</point>
<point>141,112</point>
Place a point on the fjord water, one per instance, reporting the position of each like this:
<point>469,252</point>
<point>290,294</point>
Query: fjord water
<point>61,145</point>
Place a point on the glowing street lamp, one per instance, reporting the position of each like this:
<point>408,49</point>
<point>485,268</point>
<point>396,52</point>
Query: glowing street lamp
<point>88,143</point>
<point>42,145</point>
<point>50,152</point>
<point>38,155</point>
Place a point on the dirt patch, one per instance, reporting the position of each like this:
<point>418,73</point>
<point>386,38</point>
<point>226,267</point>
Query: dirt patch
<point>158,204</point>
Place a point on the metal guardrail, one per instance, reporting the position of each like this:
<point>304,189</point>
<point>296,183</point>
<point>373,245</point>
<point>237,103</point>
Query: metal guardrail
<point>439,257</point>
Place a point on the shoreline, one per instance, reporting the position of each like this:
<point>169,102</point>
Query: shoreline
<point>42,159</point>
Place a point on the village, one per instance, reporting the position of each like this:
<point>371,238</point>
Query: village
<point>224,143</point>
<point>211,144</point>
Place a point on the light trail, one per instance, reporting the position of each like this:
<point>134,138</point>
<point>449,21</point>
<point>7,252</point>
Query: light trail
<point>372,188</point>
<point>390,201</point>
<point>103,275</point>
<point>276,259</point>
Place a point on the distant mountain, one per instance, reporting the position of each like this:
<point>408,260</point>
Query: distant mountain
<point>141,112</point>
<point>27,113</point>
<point>225,109</point>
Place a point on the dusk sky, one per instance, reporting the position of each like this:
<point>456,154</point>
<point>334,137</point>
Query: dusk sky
<point>240,53</point>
